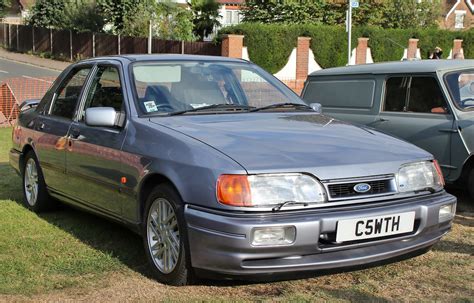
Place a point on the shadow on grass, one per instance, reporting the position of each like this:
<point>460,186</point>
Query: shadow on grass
<point>101,234</point>
<point>454,247</point>
<point>10,184</point>
<point>355,296</point>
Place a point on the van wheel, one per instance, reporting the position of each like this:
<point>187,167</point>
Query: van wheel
<point>35,194</point>
<point>470,185</point>
<point>165,238</point>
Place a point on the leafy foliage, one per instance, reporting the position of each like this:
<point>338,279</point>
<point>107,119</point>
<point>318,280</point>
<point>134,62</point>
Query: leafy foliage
<point>83,16</point>
<point>205,17</point>
<point>48,13</point>
<point>169,20</point>
<point>382,13</point>
<point>270,45</point>
<point>115,12</point>
<point>4,4</point>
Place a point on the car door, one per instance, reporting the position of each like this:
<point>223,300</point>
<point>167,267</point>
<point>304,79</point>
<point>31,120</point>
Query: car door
<point>93,154</point>
<point>53,124</point>
<point>415,109</point>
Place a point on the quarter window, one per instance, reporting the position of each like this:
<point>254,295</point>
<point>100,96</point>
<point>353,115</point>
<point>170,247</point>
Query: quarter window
<point>68,93</point>
<point>105,90</point>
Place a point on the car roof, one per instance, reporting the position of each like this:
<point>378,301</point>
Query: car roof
<point>163,57</point>
<point>419,66</point>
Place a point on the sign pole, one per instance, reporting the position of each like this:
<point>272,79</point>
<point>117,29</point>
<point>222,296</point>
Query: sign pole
<point>349,32</point>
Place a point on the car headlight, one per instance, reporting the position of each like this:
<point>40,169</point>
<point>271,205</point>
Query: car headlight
<point>420,176</point>
<point>269,189</point>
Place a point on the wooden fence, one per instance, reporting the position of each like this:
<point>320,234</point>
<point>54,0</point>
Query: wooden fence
<point>70,45</point>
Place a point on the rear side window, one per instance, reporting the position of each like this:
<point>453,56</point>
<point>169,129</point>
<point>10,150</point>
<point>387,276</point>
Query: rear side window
<point>414,94</point>
<point>341,93</point>
<point>68,93</point>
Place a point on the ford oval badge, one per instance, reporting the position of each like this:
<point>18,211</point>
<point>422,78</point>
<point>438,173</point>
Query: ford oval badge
<point>362,188</point>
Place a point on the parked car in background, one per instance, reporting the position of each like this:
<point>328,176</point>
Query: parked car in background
<point>223,169</point>
<point>428,103</point>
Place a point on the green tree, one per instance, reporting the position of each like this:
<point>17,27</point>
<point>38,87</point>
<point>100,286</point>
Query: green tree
<point>410,14</point>
<point>48,13</point>
<point>4,4</point>
<point>115,12</point>
<point>206,17</point>
<point>83,16</point>
<point>169,20</point>
<point>381,13</point>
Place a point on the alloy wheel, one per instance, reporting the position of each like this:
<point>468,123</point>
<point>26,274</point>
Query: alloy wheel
<point>163,235</point>
<point>31,182</point>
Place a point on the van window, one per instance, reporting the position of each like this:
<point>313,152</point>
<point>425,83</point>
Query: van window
<point>396,94</point>
<point>414,94</point>
<point>341,93</point>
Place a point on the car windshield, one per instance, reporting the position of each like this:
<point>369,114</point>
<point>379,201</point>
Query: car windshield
<point>207,86</point>
<point>461,88</point>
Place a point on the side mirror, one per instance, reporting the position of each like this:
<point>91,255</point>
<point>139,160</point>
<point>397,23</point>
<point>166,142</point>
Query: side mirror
<point>317,107</point>
<point>101,116</point>
<point>30,103</point>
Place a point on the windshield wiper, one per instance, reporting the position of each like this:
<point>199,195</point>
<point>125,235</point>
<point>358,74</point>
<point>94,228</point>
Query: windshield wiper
<point>281,205</point>
<point>222,106</point>
<point>282,105</point>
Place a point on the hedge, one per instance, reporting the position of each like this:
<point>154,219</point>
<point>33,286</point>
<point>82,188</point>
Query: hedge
<point>270,45</point>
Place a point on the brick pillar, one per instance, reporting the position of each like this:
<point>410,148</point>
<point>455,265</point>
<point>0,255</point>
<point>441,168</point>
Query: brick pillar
<point>412,48</point>
<point>457,49</point>
<point>232,46</point>
<point>361,50</point>
<point>302,58</point>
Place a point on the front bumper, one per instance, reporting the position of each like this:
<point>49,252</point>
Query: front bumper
<point>220,242</point>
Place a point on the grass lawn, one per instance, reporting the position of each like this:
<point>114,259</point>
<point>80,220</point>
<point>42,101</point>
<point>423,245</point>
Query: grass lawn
<point>68,254</point>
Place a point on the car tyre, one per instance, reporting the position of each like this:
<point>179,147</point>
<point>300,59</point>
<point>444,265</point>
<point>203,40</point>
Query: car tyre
<point>165,237</point>
<point>35,194</point>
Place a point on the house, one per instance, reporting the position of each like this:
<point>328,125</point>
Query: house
<point>230,11</point>
<point>457,14</point>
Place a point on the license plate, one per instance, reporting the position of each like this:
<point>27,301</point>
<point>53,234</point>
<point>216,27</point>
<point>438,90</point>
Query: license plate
<point>375,227</point>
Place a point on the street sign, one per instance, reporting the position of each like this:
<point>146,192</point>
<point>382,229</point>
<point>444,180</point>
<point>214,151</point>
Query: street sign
<point>354,4</point>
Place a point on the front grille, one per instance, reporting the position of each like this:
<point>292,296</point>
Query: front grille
<point>346,190</point>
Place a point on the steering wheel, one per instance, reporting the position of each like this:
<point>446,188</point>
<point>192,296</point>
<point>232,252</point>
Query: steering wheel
<point>463,102</point>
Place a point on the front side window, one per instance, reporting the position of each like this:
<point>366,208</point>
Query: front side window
<point>182,86</point>
<point>414,94</point>
<point>105,90</point>
<point>68,93</point>
<point>461,87</point>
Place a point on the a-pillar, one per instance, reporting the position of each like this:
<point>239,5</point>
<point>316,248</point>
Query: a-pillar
<point>232,46</point>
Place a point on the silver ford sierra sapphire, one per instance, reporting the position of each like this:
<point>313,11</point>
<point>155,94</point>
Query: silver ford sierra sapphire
<point>222,169</point>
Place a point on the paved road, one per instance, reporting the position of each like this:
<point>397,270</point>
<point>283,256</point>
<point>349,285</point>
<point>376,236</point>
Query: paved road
<point>12,69</point>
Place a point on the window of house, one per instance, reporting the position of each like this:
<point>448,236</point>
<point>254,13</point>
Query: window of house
<point>68,93</point>
<point>459,19</point>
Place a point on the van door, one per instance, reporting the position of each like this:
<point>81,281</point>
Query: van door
<point>415,109</point>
